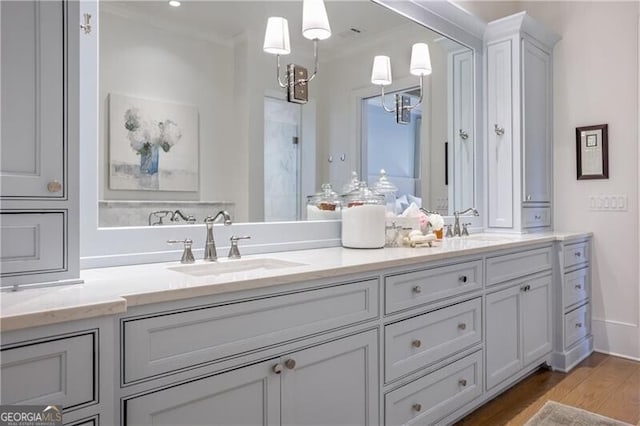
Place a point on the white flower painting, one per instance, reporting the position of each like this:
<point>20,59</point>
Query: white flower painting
<point>153,145</point>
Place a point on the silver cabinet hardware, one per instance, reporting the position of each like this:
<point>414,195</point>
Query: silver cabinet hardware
<point>528,197</point>
<point>499,130</point>
<point>54,186</point>
<point>416,343</point>
<point>578,287</point>
<point>417,407</point>
<point>578,254</point>
<point>290,363</point>
<point>86,23</point>
<point>234,251</point>
<point>463,135</point>
<point>187,254</point>
<point>277,368</point>
<point>417,289</point>
<point>525,288</point>
<point>462,326</point>
<point>537,217</point>
<point>578,325</point>
<point>462,382</point>
<point>463,279</point>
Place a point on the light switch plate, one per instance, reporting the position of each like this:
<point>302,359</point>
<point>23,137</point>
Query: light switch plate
<point>608,202</point>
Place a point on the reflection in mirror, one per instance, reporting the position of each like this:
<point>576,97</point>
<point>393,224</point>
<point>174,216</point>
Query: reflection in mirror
<point>192,117</point>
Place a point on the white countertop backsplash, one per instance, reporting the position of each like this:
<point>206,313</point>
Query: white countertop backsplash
<point>108,291</point>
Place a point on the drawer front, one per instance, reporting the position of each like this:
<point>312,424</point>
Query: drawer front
<point>576,325</point>
<point>417,342</point>
<point>516,265</point>
<point>576,287</point>
<point>575,254</point>
<point>56,372</point>
<point>403,291</point>
<point>32,242</point>
<point>165,343</point>
<point>90,422</point>
<point>536,217</point>
<point>436,395</point>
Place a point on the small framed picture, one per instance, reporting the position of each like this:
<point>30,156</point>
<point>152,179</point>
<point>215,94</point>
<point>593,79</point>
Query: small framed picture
<point>592,144</point>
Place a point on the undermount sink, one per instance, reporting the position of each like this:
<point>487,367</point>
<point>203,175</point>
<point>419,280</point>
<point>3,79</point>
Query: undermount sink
<point>233,266</point>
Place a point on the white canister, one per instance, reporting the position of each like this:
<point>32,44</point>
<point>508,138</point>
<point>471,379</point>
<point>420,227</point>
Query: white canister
<point>363,219</point>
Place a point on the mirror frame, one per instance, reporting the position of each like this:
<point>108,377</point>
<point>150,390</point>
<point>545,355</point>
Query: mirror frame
<point>101,247</point>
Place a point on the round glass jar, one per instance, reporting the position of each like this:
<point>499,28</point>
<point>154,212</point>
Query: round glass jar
<point>325,205</point>
<point>363,218</point>
<point>386,188</point>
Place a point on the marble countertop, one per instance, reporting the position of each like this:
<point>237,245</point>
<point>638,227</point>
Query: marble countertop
<point>108,291</point>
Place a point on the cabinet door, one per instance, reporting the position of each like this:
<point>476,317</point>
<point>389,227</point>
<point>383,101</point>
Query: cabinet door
<point>247,396</point>
<point>332,384</point>
<point>32,104</point>
<point>499,141</point>
<point>464,170</point>
<point>504,354</point>
<point>536,319</point>
<point>536,78</point>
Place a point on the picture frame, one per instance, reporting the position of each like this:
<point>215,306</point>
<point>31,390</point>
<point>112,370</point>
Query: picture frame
<point>592,152</point>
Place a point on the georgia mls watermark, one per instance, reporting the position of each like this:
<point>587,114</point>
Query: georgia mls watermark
<point>30,415</point>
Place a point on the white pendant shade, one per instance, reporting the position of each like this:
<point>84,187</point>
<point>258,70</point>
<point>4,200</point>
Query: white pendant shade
<point>420,59</point>
<point>276,37</point>
<point>381,72</point>
<point>315,23</point>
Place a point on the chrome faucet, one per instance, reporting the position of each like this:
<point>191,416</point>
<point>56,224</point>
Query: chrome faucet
<point>456,223</point>
<point>177,215</point>
<point>210,252</point>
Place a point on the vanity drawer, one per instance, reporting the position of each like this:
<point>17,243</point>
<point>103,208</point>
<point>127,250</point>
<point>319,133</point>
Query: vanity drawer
<point>576,286</point>
<point>436,395</point>
<point>516,265</point>
<point>575,254</point>
<point>536,217</point>
<point>417,342</point>
<point>54,372</point>
<point>407,290</point>
<point>32,242</point>
<point>164,343</point>
<point>576,325</point>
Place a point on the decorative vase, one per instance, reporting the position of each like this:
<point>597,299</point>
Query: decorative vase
<point>149,161</point>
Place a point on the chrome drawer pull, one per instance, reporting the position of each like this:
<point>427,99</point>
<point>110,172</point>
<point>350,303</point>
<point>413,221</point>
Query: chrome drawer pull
<point>417,407</point>
<point>462,279</point>
<point>277,368</point>
<point>578,287</point>
<point>578,325</point>
<point>417,289</point>
<point>416,343</point>
<point>290,363</point>
<point>462,382</point>
<point>462,326</point>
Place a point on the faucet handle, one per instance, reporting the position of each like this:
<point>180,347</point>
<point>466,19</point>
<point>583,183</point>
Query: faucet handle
<point>449,233</point>
<point>465,231</point>
<point>234,251</point>
<point>187,254</point>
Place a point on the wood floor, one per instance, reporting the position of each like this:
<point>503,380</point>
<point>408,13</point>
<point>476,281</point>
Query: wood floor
<point>602,384</point>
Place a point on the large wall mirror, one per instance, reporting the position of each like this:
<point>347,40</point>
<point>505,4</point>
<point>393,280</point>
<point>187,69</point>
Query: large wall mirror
<point>191,117</point>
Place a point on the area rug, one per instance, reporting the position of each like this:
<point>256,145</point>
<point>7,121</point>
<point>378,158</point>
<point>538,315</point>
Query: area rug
<point>555,414</point>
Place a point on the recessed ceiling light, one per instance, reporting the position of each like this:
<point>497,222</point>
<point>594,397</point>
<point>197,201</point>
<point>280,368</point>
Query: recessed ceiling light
<point>174,3</point>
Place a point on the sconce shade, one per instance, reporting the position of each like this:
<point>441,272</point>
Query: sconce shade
<point>381,72</point>
<point>315,23</point>
<point>420,59</point>
<point>276,37</point>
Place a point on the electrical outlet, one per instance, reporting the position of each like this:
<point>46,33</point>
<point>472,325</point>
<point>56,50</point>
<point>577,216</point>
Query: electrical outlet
<point>608,202</point>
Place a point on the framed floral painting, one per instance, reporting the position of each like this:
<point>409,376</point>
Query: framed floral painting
<point>153,145</point>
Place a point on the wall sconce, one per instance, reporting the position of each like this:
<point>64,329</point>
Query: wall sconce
<point>315,26</point>
<point>381,76</point>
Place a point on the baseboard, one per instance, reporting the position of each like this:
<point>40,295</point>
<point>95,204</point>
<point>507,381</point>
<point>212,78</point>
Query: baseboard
<point>616,338</point>
<point>565,361</point>
<point>631,358</point>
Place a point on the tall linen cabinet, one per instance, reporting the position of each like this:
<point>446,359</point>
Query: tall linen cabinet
<point>519,111</point>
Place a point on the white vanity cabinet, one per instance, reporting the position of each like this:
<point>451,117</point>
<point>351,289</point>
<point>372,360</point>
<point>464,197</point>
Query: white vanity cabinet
<point>519,123</point>
<point>38,141</point>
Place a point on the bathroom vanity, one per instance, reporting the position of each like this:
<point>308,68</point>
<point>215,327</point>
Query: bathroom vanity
<point>392,336</point>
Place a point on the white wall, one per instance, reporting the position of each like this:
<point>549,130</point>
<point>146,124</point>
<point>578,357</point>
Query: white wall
<point>145,61</point>
<point>595,82</point>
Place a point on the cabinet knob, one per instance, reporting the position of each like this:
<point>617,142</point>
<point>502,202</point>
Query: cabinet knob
<point>463,279</point>
<point>462,326</point>
<point>290,363</point>
<point>578,325</point>
<point>578,287</point>
<point>578,254</point>
<point>462,382</point>
<point>528,197</point>
<point>463,135</point>
<point>537,217</point>
<point>54,186</point>
<point>417,289</point>
<point>277,368</point>
<point>416,343</point>
<point>499,130</point>
<point>417,407</point>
